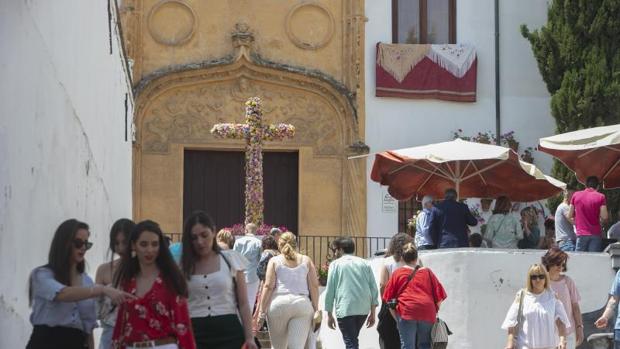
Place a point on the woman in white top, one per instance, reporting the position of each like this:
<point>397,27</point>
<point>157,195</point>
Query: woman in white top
<point>503,230</point>
<point>564,287</point>
<point>290,296</point>
<point>106,310</point>
<point>389,337</point>
<point>536,318</point>
<point>217,289</point>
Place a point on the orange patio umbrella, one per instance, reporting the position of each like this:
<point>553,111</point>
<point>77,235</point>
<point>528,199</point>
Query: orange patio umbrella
<point>473,169</point>
<point>589,152</point>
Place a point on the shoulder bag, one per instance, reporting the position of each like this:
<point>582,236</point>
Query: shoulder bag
<point>234,280</point>
<point>440,330</point>
<point>490,241</point>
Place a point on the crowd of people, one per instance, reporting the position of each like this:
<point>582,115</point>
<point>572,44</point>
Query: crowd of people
<point>576,225</point>
<point>212,290</point>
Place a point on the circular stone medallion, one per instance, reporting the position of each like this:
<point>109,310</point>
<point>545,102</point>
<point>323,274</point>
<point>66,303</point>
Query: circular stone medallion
<point>310,26</point>
<point>172,22</point>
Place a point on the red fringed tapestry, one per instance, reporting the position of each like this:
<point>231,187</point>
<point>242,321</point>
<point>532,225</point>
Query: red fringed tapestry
<point>446,72</point>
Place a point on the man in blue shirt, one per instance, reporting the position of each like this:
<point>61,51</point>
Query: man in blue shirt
<point>352,290</point>
<point>453,218</point>
<point>602,322</point>
<point>250,247</point>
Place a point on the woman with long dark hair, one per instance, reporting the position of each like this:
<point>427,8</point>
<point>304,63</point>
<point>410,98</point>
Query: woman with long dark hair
<point>217,288</point>
<point>159,317</point>
<point>61,293</point>
<point>106,310</point>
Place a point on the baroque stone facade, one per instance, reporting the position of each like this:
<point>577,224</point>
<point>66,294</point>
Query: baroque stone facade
<point>179,99</point>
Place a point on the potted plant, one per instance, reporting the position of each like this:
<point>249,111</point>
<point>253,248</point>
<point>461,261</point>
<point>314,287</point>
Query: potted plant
<point>484,138</point>
<point>459,134</point>
<point>528,155</point>
<point>508,139</point>
<point>322,273</point>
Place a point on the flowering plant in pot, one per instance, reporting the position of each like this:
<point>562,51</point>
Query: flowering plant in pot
<point>263,229</point>
<point>528,155</point>
<point>508,139</point>
<point>322,273</point>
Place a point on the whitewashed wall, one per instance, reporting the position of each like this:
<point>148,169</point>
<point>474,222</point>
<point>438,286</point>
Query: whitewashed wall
<point>481,284</point>
<point>393,123</point>
<point>63,152</point>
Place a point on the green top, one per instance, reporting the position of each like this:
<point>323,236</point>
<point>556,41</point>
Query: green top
<point>351,287</point>
<point>503,231</point>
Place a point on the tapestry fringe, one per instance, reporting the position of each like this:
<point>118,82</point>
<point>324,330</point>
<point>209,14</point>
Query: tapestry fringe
<point>398,60</point>
<point>457,59</point>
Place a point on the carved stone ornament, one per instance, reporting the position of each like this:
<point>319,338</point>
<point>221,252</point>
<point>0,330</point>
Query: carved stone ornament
<point>172,22</point>
<point>310,26</point>
<point>185,115</point>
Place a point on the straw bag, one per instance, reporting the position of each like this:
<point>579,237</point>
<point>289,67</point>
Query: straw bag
<point>440,330</point>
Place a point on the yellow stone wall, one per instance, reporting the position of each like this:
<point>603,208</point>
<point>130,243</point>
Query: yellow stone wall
<point>196,62</point>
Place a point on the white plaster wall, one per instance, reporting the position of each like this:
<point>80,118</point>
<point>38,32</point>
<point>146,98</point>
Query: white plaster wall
<point>63,152</point>
<point>393,123</point>
<point>481,285</point>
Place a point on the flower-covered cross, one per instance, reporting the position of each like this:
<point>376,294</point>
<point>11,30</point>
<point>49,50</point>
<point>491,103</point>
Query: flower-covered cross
<point>254,132</point>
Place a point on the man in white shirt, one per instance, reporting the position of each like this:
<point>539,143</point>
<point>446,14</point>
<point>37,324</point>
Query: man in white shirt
<point>564,228</point>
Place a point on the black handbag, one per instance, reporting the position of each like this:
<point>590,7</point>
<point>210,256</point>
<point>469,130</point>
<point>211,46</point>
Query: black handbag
<point>389,338</point>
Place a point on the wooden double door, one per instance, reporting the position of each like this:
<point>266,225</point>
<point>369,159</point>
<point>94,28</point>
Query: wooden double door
<point>214,181</point>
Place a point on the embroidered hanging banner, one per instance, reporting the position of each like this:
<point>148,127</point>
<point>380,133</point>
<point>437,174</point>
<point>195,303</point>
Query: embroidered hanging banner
<point>446,72</point>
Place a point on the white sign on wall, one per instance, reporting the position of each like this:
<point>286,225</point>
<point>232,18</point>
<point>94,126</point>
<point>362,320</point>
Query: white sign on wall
<point>388,204</point>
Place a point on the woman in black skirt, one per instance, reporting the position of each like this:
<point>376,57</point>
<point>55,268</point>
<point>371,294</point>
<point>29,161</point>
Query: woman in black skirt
<point>62,294</point>
<point>216,282</point>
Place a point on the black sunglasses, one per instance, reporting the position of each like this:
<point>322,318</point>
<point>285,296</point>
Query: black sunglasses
<point>79,243</point>
<point>540,277</point>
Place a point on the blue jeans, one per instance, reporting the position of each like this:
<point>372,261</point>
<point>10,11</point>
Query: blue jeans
<point>616,339</point>
<point>412,332</point>
<point>449,241</point>
<point>589,243</point>
<point>106,337</point>
<point>350,327</point>
<point>567,245</point>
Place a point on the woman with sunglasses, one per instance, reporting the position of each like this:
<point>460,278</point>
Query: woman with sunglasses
<point>564,287</point>
<point>61,293</point>
<point>218,302</point>
<point>159,317</point>
<point>106,310</point>
<point>536,318</point>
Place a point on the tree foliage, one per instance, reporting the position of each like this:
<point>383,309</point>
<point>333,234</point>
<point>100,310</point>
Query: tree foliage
<point>578,56</point>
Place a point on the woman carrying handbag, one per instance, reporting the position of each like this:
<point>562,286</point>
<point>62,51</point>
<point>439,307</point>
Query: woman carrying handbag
<point>388,332</point>
<point>536,319</point>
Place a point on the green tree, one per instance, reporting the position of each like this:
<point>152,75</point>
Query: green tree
<point>578,55</point>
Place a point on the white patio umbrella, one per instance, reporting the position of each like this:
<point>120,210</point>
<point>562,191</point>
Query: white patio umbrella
<point>589,152</point>
<point>473,169</point>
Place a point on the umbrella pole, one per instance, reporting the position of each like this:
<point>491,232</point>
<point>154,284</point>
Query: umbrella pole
<point>458,180</point>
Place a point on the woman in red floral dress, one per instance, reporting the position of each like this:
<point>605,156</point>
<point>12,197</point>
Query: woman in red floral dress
<point>159,318</point>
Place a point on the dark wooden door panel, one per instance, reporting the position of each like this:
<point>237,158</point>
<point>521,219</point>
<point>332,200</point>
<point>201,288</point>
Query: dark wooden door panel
<point>214,181</point>
<point>281,189</point>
